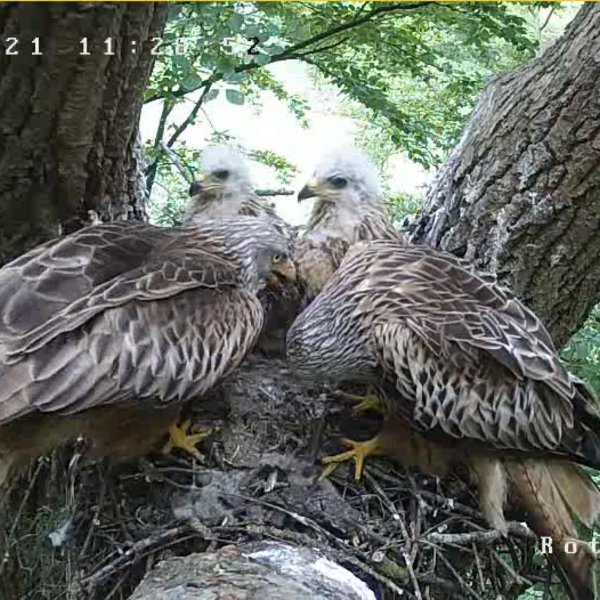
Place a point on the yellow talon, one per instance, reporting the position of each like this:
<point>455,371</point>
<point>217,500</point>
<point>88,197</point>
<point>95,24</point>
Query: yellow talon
<point>180,438</point>
<point>358,452</point>
<point>370,402</point>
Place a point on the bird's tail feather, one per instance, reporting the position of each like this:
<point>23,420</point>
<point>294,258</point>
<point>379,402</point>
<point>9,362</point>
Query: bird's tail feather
<point>7,465</point>
<point>553,493</point>
<point>578,491</point>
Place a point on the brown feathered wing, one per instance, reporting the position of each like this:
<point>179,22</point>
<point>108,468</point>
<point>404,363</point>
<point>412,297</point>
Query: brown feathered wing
<point>469,360</point>
<point>117,312</point>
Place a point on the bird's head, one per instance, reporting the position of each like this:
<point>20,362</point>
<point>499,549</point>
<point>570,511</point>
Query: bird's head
<point>345,177</point>
<point>275,266</point>
<point>264,249</point>
<point>225,175</point>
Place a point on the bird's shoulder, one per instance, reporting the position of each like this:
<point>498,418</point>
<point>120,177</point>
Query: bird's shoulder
<point>451,304</point>
<point>62,284</point>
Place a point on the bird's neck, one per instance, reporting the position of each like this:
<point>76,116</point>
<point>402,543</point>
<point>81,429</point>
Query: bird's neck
<point>350,223</point>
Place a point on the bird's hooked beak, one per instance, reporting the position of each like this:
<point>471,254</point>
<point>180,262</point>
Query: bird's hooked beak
<point>310,190</point>
<point>196,188</point>
<point>284,270</point>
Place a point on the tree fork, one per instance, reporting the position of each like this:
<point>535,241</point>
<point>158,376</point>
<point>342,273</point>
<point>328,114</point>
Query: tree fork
<point>520,194</point>
<point>69,121</point>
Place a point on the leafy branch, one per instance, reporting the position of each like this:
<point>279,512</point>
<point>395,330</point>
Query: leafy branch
<point>293,52</point>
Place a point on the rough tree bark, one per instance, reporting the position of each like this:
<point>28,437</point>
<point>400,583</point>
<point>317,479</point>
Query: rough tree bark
<point>68,121</point>
<point>267,570</point>
<point>520,195</point>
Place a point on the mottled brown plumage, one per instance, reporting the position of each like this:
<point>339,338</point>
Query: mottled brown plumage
<point>467,375</point>
<point>226,191</point>
<point>106,332</point>
<point>348,209</point>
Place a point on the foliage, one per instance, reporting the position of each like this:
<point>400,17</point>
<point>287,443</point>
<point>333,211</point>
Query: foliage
<point>582,354</point>
<point>402,206</point>
<point>285,168</point>
<point>420,74</point>
<point>417,68</point>
<point>168,203</point>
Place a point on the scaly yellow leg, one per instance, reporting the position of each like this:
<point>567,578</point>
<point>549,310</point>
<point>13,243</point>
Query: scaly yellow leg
<point>358,453</point>
<point>370,402</point>
<point>180,438</point>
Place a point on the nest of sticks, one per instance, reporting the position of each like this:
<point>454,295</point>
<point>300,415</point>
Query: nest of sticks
<point>72,530</point>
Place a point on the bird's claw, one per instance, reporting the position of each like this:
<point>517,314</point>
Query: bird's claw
<point>370,402</point>
<point>358,453</point>
<point>180,438</point>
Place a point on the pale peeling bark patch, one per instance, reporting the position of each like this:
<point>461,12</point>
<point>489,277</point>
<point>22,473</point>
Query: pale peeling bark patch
<point>268,570</point>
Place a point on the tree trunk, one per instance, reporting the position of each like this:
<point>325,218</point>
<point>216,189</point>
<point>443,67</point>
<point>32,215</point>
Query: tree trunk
<point>68,121</point>
<point>520,195</point>
<point>267,570</point>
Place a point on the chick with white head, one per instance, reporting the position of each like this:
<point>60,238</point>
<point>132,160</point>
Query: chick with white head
<point>348,209</point>
<point>225,189</point>
<point>346,175</point>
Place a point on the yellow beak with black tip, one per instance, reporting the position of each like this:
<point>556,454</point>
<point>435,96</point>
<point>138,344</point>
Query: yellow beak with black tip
<point>310,190</point>
<point>196,188</point>
<point>281,271</point>
<point>286,269</point>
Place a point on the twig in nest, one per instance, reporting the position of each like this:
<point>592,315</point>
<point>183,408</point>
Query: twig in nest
<point>459,579</point>
<point>385,499</point>
<point>343,546</point>
<point>315,443</point>
<point>518,578</point>
<point>478,565</point>
<point>408,541</point>
<point>94,521</point>
<point>10,537</point>
<point>480,537</point>
<point>274,192</point>
<point>441,500</point>
<point>134,553</point>
<point>375,575</point>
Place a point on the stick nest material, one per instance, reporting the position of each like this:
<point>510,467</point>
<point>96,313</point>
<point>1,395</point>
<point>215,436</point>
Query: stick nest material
<point>73,530</point>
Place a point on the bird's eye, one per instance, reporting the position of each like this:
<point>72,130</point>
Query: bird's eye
<point>277,258</point>
<point>338,182</point>
<point>221,174</point>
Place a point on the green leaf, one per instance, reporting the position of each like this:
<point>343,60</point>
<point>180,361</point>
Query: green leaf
<point>273,49</point>
<point>234,77</point>
<point>262,59</point>
<point>192,81</point>
<point>252,30</point>
<point>236,22</point>
<point>211,95</point>
<point>234,96</point>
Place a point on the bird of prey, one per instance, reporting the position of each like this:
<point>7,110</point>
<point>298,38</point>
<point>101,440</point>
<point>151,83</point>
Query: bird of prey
<point>468,375</point>
<point>226,191</point>
<point>104,333</point>
<point>348,209</point>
